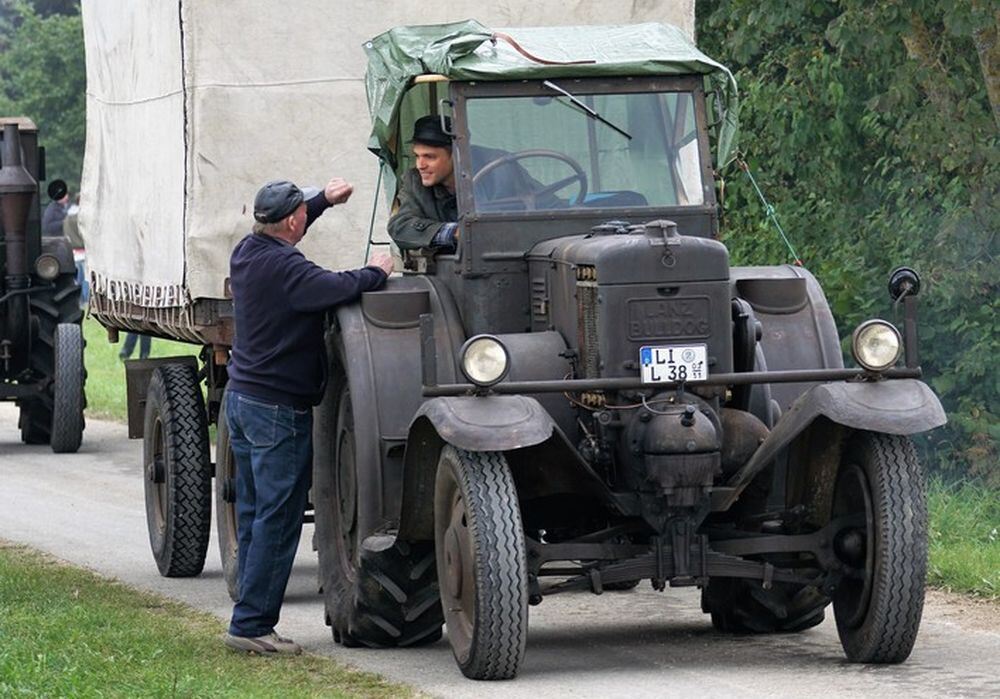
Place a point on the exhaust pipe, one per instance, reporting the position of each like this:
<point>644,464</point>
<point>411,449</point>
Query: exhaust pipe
<point>17,189</point>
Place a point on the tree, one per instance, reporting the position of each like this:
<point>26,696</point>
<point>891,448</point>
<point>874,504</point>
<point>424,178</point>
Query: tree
<point>43,77</point>
<point>873,126</point>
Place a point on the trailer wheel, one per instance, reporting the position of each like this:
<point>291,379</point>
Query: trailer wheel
<point>379,592</point>
<point>176,471</point>
<point>481,562</point>
<point>50,307</point>
<point>67,396</point>
<point>878,604</point>
<point>225,505</point>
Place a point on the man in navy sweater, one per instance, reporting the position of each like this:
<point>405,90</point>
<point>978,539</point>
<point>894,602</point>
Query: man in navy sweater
<point>276,375</point>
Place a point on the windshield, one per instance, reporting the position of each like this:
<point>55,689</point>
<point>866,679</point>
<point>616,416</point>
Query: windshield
<point>578,150</point>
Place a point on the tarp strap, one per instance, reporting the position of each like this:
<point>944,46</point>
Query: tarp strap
<point>531,57</point>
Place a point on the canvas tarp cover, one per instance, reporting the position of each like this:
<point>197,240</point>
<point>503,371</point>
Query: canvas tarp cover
<point>467,51</point>
<point>192,105</point>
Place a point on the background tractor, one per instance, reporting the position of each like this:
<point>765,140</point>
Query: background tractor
<point>41,342</point>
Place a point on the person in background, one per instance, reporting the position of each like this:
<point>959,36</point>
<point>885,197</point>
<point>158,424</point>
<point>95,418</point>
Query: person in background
<point>128,347</point>
<point>277,372</point>
<point>55,212</point>
<point>71,229</point>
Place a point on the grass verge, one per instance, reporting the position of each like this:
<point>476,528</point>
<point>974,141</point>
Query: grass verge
<point>964,538</point>
<point>67,632</point>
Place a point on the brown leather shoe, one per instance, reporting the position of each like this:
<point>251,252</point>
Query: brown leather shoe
<point>270,644</point>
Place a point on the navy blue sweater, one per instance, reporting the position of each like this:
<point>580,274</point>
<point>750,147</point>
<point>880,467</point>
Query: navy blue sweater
<point>280,299</point>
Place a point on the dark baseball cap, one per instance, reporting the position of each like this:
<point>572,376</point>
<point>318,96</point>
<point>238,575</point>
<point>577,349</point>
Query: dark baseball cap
<point>57,189</point>
<point>427,131</point>
<point>276,200</point>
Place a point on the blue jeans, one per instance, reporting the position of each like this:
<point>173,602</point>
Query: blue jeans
<point>272,445</point>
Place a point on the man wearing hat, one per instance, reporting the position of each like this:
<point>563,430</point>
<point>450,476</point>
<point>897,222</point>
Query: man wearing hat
<point>277,373</point>
<point>428,210</point>
<point>427,207</point>
<point>55,212</point>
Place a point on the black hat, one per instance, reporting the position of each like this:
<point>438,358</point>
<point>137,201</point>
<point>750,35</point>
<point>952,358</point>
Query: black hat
<point>427,131</point>
<point>276,200</point>
<point>57,190</point>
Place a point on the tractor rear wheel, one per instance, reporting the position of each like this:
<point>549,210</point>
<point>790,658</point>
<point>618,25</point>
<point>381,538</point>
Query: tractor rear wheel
<point>744,606</point>
<point>378,591</point>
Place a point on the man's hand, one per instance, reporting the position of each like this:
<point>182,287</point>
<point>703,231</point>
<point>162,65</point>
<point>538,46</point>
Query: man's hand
<point>383,260</point>
<point>338,190</point>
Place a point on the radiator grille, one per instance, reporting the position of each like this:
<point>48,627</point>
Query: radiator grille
<point>539,300</point>
<point>586,297</point>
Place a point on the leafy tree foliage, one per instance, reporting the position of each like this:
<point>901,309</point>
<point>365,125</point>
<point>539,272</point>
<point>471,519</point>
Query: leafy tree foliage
<point>873,127</point>
<point>43,77</point>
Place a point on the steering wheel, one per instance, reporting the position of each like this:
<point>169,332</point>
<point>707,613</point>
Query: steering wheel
<point>531,198</point>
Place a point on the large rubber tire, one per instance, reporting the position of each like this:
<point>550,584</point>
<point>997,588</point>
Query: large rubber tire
<point>67,393</point>
<point>379,592</point>
<point>50,307</point>
<point>177,471</point>
<point>481,562</point>
<point>743,606</point>
<point>878,611</point>
<point>225,505</point>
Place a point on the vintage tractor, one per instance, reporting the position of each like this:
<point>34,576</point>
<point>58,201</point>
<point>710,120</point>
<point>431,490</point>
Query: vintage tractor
<point>586,394</point>
<point>41,343</point>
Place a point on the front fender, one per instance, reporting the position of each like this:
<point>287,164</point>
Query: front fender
<point>473,423</point>
<point>899,406</point>
<point>487,423</point>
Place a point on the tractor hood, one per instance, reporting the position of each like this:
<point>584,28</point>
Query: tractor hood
<point>653,253</point>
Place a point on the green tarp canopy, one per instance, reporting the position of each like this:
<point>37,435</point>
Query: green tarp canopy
<point>466,51</point>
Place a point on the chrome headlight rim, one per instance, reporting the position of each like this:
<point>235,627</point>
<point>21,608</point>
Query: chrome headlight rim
<point>47,266</point>
<point>483,343</point>
<point>858,349</point>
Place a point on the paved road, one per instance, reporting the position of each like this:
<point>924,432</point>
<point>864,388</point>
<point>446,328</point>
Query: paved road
<point>87,508</point>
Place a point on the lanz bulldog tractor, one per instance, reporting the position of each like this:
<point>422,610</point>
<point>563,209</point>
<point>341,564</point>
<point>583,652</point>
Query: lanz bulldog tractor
<point>41,344</point>
<point>586,394</point>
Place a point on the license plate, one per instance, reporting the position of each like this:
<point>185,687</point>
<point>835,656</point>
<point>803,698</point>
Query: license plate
<point>673,363</point>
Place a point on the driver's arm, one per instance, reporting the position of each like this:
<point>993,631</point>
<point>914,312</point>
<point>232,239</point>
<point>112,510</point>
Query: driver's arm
<point>416,222</point>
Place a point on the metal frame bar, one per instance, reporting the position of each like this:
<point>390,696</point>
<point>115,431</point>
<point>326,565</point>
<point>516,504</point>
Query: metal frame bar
<point>635,383</point>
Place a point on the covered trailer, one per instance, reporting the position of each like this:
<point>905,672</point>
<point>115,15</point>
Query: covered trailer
<point>191,106</point>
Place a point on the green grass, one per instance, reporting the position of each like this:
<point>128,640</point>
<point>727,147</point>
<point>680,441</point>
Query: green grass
<point>965,538</point>
<point>106,373</point>
<point>67,632</point>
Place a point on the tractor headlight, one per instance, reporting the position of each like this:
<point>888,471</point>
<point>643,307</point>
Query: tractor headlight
<point>485,360</point>
<point>876,345</point>
<point>47,267</point>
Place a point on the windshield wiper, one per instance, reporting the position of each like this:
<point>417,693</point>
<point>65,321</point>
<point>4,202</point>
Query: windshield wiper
<point>587,110</point>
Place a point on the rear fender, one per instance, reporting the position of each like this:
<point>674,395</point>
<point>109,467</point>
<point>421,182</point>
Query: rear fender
<point>899,406</point>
